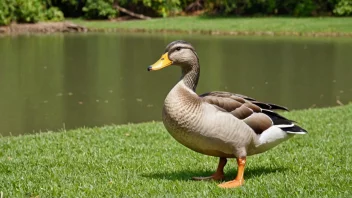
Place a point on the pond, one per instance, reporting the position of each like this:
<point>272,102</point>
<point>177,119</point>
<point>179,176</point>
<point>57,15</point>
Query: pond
<point>50,82</point>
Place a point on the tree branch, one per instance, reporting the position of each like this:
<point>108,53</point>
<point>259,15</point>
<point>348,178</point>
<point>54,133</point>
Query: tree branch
<point>124,10</point>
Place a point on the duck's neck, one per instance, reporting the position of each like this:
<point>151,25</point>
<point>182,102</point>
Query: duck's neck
<point>190,76</point>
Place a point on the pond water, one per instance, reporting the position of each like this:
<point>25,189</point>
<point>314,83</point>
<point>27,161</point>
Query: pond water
<point>50,82</point>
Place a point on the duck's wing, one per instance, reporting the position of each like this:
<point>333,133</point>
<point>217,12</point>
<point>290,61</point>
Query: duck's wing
<point>257,115</point>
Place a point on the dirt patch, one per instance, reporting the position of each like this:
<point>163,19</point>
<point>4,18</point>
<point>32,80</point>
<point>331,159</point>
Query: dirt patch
<point>41,27</point>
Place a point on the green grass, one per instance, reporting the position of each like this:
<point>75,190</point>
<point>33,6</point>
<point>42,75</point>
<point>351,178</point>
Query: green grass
<point>143,160</point>
<point>227,25</point>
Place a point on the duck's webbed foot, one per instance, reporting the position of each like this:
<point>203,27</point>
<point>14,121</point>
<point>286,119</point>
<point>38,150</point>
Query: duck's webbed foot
<point>232,184</point>
<point>239,181</point>
<point>218,175</point>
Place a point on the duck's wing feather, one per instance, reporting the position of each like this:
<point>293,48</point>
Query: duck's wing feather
<point>257,115</point>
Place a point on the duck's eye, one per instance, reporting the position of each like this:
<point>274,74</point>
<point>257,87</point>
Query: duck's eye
<point>178,49</point>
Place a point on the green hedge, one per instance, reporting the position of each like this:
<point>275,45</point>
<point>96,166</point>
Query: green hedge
<point>7,12</point>
<point>343,8</point>
<point>279,7</point>
<point>28,11</point>
<point>31,11</point>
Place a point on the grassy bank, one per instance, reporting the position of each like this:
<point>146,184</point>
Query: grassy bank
<point>233,26</point>
<point>142,160</point>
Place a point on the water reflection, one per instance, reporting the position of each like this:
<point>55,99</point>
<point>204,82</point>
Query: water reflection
<point>55,81</point>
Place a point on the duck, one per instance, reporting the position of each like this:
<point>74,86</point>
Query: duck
<point>219,124</point>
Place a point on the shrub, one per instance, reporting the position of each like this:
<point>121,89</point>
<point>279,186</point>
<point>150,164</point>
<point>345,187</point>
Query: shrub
<point>343,8</point>
<point>54,14</point>
<point>99,9</point>
<point>29,11</point>
<point>7,9</point>
<point>277,7</point>
<point>163,8</point>
<point>154,7</point>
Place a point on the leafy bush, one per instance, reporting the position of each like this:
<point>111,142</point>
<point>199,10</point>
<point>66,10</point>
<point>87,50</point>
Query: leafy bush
<point>7,9</point>
<point>220,7</point>
<point>163,8</point>
<point>343,8</point>
<point>304,8</point>
<point>154,7</point>
<point>277,7</point>
<point>99,9</point>
<point>29,11</point>
<point>54,14</point>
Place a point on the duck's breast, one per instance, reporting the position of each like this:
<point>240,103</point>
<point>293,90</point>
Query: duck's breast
<point>204,129</point>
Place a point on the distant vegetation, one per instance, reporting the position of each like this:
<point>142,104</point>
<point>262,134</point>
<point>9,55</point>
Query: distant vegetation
<point>31,11</point>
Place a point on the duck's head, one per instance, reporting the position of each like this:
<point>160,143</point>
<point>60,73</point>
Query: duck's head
<point>179,53</point>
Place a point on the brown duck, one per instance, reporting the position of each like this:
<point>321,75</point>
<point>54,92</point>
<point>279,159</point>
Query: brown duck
<point>220,124</point>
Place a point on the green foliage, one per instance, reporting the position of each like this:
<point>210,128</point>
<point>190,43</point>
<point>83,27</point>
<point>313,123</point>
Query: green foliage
<point>220,7</point>
<point>343,8</point>
<point>271,7</point>
<point>163,8</point>
<point>99,9</point>
<point>154,7</point>
<point>35,10</point>
<point>54,14</point>
<point>7,10</point>
<point>28,11</point>
<point>303,8</point>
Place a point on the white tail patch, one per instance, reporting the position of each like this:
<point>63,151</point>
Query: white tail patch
<point>284,125</point>
<point>271,138</point>
<point>298,133</point>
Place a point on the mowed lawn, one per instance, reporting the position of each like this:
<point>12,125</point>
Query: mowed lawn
<point>143,160</point>
<point>289,25</point>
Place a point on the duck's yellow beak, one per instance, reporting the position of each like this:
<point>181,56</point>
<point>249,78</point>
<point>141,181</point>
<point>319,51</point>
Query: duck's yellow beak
<point>164,61</point>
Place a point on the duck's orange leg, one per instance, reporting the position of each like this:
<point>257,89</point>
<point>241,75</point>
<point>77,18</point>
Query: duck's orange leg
<point>239,180</point>
<point>218,175</point>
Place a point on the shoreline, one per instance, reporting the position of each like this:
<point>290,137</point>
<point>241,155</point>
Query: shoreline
<point>41,28</point>
<point>222,33</point>
<point>71,27</point>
